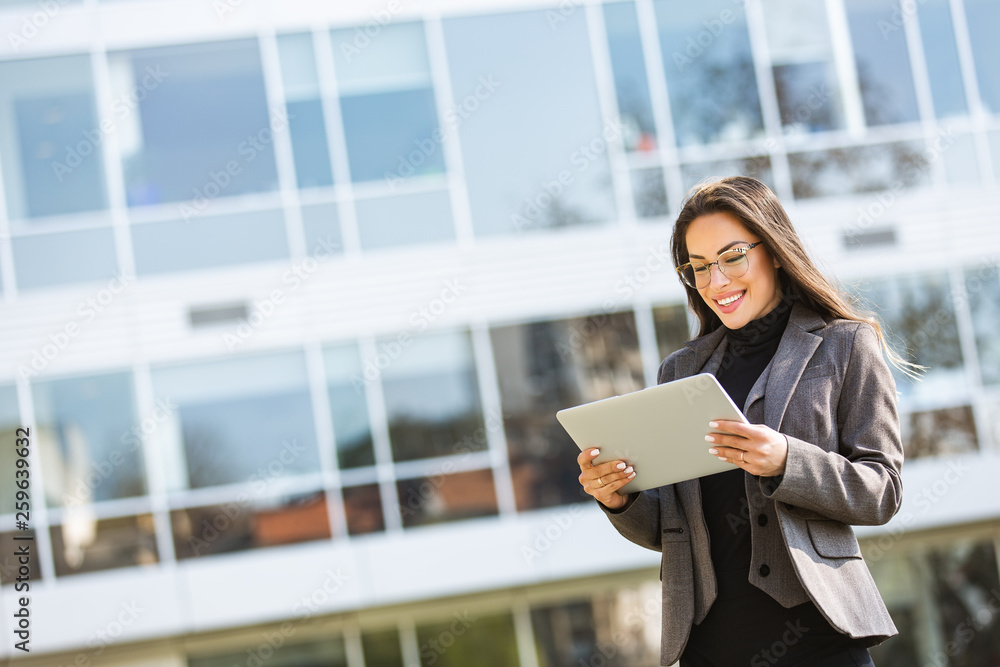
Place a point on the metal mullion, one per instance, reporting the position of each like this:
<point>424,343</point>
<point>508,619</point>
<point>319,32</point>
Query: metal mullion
<point>607,99</point>
<point>378,418</point>
<point>489,392</point>
<point>768,97</point>
<point>283,153</point>
<point>847,75</point>
<point>39,508</point>
<point>325,438</point>
<point>967,63</point>
<point>524,633</point>
<point>645,327</point>
<point>922,87</point>
<point>450,144</point>
<point>112,157</point>
<point>656,79</point>
<point>336,143</point>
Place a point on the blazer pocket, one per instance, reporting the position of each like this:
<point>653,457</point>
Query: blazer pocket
<point>833,539</point>
<point>818,371</point>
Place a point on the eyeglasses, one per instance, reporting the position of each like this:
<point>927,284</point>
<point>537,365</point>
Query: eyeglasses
<point>732,263</point>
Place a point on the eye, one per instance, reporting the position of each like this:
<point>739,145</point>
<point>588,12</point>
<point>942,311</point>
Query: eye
<point>699,269</point>
<point>733,259</point>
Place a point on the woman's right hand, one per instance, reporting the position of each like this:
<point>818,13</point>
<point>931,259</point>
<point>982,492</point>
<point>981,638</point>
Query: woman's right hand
<point>603,480</point>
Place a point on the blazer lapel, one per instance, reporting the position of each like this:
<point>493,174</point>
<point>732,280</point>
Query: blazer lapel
<point>779,379</point>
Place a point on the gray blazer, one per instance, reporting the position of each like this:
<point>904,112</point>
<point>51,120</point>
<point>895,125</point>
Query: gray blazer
<point>830,392</point>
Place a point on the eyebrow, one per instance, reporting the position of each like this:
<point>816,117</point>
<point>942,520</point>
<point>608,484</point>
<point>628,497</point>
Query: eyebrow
<point>721,250</point>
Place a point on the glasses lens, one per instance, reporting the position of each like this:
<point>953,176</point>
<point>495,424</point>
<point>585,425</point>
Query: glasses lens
<point>693,275</point>
<point>733,263</point>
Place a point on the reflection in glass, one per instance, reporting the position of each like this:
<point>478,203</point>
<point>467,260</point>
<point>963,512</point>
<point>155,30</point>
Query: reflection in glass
<point>919,316</point>
<point>432,398</point>
<point>583,631</point>
<point>304,104</point>
<point>544,367</point>
<point>9,566</point>
<point>87,447</point>
<point>321,224</point>
<point>237,420</point>
<point>883,62</point>
<point>938,432</point>
<point>758,167</point>
<point>249,523</point>
<point>84,544</point>
<point>441,497</point>
<point>53,139</point>
<point>382,648</point>
<point>983,17</point>
<point>387,104</point>
<point>363,505</point>
<point>937,32</point>
<point>10,421</point>
<point>201,129</point>
<point>982,292</point>
<point>649,192</point>
<point>840,171</point>
<point>534,148</point>
<point>484,641</point>
<point>208,241</point>
<point>709,70</point>
<point>805,77</point>
<point>346,391</point>
<point>403,220</point>
<point>635,110</point>
<point>671,328</point>
<point>328,653</point>
<point>944,601</point>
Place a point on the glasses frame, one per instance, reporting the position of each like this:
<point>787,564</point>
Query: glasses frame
<point>743,250</point>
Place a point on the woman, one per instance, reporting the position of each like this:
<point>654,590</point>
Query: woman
<point>759,565</point>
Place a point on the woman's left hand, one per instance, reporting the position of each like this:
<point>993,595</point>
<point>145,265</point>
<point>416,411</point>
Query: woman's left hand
<point>758,449</point>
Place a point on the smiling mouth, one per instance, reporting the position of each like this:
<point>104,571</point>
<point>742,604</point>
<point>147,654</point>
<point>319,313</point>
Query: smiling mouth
<point>730,300</point>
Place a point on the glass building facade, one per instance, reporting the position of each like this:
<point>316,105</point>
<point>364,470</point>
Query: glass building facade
<point>234,236</point>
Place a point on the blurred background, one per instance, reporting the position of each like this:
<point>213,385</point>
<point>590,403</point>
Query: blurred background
<point>291,292</point>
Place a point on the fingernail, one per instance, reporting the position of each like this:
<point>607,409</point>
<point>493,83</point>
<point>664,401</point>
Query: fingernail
<point>721,458</point>
<point>713,424</point>
<point>713,451</point>
<point>620,466</point>
<point>710,438</point>
<point>632,474</point>
<point>595,452</point>
<point>629,469</point>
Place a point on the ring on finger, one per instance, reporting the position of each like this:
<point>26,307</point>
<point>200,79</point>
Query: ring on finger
<point>601,480</point>
<point>743,457</point>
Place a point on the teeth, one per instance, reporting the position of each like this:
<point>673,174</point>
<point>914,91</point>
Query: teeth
<point>726,302</point>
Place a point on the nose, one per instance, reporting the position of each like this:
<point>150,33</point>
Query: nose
<point>718,278</point>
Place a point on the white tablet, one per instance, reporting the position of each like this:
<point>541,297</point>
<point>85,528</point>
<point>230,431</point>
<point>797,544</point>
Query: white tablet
<point>660,430</point>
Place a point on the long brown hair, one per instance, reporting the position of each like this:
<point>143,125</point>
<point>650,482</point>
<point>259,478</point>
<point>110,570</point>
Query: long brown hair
<point>758,209</point>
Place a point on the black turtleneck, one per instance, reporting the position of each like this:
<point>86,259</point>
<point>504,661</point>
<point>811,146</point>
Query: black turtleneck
<point>749,619</point>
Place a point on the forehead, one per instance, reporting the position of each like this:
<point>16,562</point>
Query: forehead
<point>708,234</point>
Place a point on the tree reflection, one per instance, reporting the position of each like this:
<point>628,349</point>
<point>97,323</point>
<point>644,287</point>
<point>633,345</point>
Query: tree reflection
<point>838,171</point>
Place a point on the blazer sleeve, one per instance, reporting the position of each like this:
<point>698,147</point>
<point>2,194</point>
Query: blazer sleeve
<point>639,520</point>
<point>860,483</point>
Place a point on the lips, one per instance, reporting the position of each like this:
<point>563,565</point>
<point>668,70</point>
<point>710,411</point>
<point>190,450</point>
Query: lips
<point>730,299</point>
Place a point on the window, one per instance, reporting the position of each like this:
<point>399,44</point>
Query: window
<point>432,398</point>
<point>939,432</point>
<point>8,560</point>
<point>709,70</point>
<point>363,505</point>
<point>10,421</point>
<point>620,628</point>
<point>937,32</point>
<point>882,61</point>
<point>382,648</point>
<point>635,109</point>
<point>245,420</point>
<point>404,219</point>
<point>758,167</point>
<point>47,260</point>
<point>544,367</point>
<point>87,440</point>
<point>805,78</point>
<point>387,104</point>
<point>84,544</point>
<point>839,171</point>
<point>920,317</point>
<point>329,653</point>
<point>321,224</point>
<point>346,383</point>
<point>982,293</point>
<point>304,104</point>
<point>649,192</point>
<point>533,143</point>
<point>671,327</point>
<point>446,497</point>
<point>51,151</point>
<point>200,129</point>
<point>983,16</point>
<point>466,639</point>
